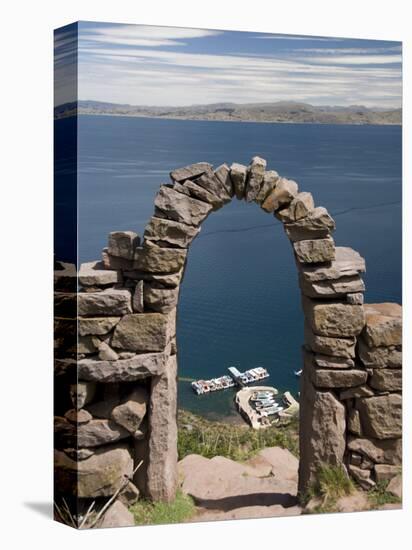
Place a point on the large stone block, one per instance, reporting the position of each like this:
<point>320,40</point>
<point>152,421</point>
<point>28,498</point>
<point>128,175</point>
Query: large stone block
<point>300,207</point>
<point>347,263</point>
<point>97,325</point>
<point>318,224</point>
<point>91,434</point>
<point>175,233</point>
<point>381,416</point>
<point>238,173</point>
<point>315,251</point>
<point>198,192</point>
<point>379,357</point>
<point>322,432</point>
<point>122,244</point>
<point>222,173</point>
<point>331,288</point>
<point>117,516</point>
<point>332,377</point>
<point>339,347</point>
<point>94,274</point>
<point>157,259</point>
<point>162,300</point>
<point>387,451</point>
<point>281,196</point>
<point>65,277</point>
<point>256,172</point>
<point>98,476</point>
<point>162,476</point>
<point>333,318</point>
<point>181,208</point>
<point>142,332</point>
<point>385,472</point>
<point>131,412</point>
<point>386,380</point>
<point>190,172</point>
<point>270,178</point>
<point>383,324</point>
<point>214,185</point>
<point>124,370</point>
<point>108,302</point>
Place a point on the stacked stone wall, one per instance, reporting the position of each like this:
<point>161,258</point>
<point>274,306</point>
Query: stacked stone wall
<point>116,351</point>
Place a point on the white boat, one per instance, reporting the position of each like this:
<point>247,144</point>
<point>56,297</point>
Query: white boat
<point>298,372</point>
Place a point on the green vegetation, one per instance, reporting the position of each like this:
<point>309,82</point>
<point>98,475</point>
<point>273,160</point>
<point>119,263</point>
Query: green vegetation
<point>378,496</point>
<point>237,442</point>
<point>155,513</point>
<point>331,483</point>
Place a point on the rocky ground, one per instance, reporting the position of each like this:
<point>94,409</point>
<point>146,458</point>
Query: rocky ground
<point>263,486</point>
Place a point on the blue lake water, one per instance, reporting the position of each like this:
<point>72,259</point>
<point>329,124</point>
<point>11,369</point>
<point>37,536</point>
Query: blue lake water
<point>240,303</point>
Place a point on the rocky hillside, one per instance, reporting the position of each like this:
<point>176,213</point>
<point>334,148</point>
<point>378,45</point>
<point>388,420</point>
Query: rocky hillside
<point>280,111</point>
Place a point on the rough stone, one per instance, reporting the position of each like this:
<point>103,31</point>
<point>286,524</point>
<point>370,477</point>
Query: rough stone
<point>106,353</point>
<point>381,416</point>
<point>222,173</point>
<point>122,244</point>
<point>336,378</point>
<point>333,318</point>
<point>141,332</point>
<point>333,288</point>
<point>356,297</point>
<point>138,297</point>
<point>359,391</point>
<point>78,416</point>
<point>175,233</point>
<point>181,188</point>
<point>329,362</point>
<point>322,432</point>
<point>202,194</point>
<point>130,413</point>
<point>91,434</point>
<point>167,280</point>
<point>124,370</point>
<point>190,172</point>
<point>86,344</point>
<point>337,347</point>
<point>108,302</point>
<point>115,262</point>
<point>362,477</point>
<point>98,476</point>
<point>282,195</point>
<point>157,259</point>
<point>354,424</point>
<point>256,171</point>
<point>97,325</point>
<point>270,179</point>
<point>300,207</point>
<point>386,380</point>
<point>387,451</point>
<point>117,516</point>
<point>162,464</point>
<point>180,208</point>
<point>347,263</point>
<point>316,251</point>
<point>379,357</point>
<point>65,304</point>
<point>383,324</point>
<point>318,224</point>
<point>385,472</point>
<point>213,184</point>
<point>395,487</point>
<point>238,173</point>
<point>161,300</point>
<point>82,393</point>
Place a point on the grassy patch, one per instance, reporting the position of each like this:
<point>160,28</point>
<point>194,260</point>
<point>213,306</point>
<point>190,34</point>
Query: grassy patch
<point>378,496</point>
<point>331,484</point>
<point>237,442</point>
<point>154,513</point>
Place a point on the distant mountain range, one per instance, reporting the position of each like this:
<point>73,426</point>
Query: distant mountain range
<point>280,111</point>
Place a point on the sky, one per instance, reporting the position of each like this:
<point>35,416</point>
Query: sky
<point>144,65</point>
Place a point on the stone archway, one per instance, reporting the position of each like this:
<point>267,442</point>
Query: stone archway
<point>350,412</point>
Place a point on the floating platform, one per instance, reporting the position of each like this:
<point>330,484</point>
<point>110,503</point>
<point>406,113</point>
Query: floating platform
<point>234,378</point>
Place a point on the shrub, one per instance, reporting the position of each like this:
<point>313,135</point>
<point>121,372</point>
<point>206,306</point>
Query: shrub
<point>154,513</point>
